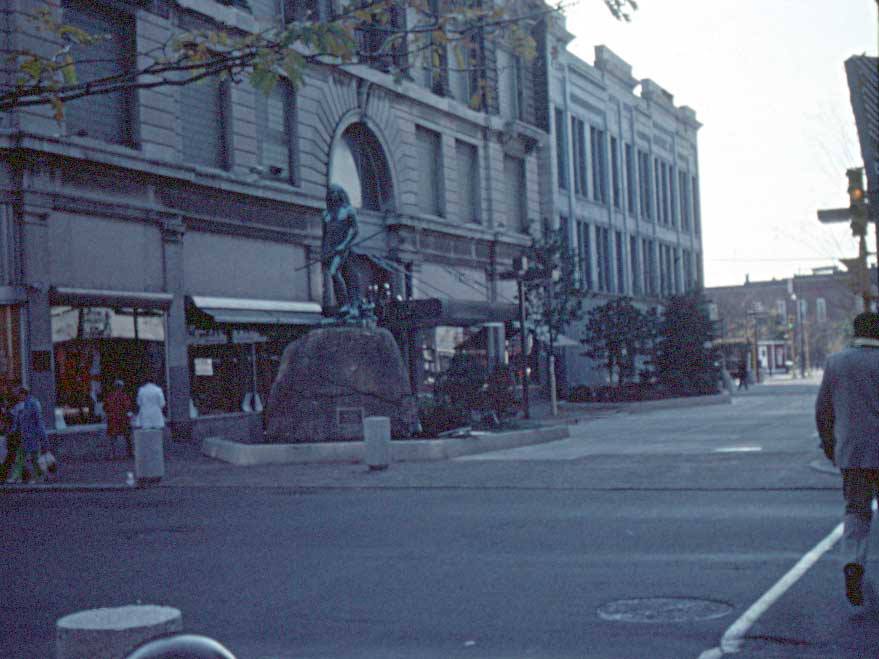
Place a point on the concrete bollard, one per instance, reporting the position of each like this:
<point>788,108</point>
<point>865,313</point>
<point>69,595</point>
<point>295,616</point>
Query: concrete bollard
<point>112,633</point>
<point>377,436</point>
<point>149,455</point>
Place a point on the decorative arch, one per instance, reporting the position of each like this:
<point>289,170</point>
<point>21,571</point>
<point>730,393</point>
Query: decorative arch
<point>358,163</point>
<point>359,118</point>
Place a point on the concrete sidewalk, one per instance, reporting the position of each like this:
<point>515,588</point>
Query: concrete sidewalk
<point>186,466</point>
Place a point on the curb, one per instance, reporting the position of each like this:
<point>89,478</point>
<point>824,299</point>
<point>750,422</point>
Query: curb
<point>64,487</point>
<point>418,450</point>
<point>580,411</point>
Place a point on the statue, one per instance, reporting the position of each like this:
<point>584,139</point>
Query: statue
<point>339,232</point>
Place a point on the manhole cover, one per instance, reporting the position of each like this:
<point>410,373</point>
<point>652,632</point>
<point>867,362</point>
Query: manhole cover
<point>663,609</point>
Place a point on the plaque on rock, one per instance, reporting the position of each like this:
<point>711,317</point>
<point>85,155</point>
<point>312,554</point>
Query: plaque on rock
<point>333,374</point>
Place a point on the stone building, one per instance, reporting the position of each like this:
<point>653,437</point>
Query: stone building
<point>622,184</point>
<point>171,232</point>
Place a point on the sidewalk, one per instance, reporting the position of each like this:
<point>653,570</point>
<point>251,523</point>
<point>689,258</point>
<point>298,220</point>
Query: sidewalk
<point>186,466</point>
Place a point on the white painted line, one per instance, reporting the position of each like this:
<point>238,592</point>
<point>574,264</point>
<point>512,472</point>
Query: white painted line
<point>732,639</point>
<point>738,449</point>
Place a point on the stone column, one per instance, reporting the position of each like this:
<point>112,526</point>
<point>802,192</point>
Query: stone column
<point>176,336</point>
<point>39,366</point>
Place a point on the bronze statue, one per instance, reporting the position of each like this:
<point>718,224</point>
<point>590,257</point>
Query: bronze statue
<point>339,232</point>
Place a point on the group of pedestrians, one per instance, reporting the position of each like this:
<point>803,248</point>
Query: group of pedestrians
<point>28,456</point>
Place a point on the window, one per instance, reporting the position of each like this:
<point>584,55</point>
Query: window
<point>649,257</point>
<point>672,196</point>
<point>434,56</point>
<point>688,270</point>
<point>514,179</point>
<point>599,165</point>
<point>621,263</point>
<point>358,164</point>
<point>561,149</point>
<point>373,35</point>
<point>657,188</point>
<point>603,256</point>
<point>509,72</point>
<point>781,309</point>
<point>635,266</point>
<point>276,132</point>
<point>307,10</point>
<point>205,120</point>
<point>107,117</point>
<point>685,200</point>
<point>467,159</point>
<point>585,254</point>
<point>697,212</point>
<point>615,173</point>
<point>578,134</point>
<point>675,271</point>
<point>631,184</point>
<point>666,190</point>
<point>644,180</point>
<point>821,310</point>
<point>429,171</point>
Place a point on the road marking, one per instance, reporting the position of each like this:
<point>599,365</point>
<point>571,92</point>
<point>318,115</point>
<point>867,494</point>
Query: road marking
<point>732,639</point>
<point>738,449</point>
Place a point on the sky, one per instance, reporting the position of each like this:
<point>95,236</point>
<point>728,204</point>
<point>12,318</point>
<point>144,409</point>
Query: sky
<point>767,81</point>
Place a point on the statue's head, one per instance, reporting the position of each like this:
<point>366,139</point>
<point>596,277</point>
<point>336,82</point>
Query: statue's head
<point>336,197</point>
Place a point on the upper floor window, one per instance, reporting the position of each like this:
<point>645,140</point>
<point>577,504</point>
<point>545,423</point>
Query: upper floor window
<point>603,257</point>
<point>205,113</point>
<point>697,211</point>
<point>509,71</point>
<point>358,164</point>
<point>599,165</point>
<point>645,185</point>
<point>635,265</point>
<point>578,137</point>
<point>467,159</point>
<point>781,309</point>
<point>620,262</point>
<point>631,183</point>
<point>107,117</point>
<point>821,310</point>
<point>374,43</point>
<point>585,253</point>
<point>685,199</point>
<point>514,183</point>
<point>307,10</point>
<point>615,173</point>
<point>433,55</point>
<point>276,132</point>
<point>561,149</point>
<point>430,197</point>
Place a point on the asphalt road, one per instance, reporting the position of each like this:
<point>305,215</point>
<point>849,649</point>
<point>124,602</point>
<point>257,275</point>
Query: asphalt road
<point>510,555</point>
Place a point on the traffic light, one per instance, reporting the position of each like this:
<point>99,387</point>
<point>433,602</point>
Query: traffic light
<point>857,201</point>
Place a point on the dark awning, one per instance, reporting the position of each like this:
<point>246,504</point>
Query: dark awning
<point>82,297</point>
<point>237,311</point>
<point>457,313</point>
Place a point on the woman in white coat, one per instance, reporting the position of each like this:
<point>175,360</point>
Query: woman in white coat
<point>150,401</point>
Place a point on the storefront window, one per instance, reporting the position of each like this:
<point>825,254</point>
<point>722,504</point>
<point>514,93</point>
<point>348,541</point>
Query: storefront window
<point>94,346</point>
<point>10,352</point>
<point>232,368</point>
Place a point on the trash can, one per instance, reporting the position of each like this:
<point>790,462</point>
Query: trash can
<point>149,455</point>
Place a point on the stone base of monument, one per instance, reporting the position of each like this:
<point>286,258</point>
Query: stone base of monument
<point>113,633</point>
<point>333,378</point>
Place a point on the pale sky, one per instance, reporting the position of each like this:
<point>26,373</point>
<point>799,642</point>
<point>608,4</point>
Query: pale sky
<point>767,81</point>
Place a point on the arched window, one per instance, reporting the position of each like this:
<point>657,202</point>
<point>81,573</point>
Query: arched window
<point>358,164</point>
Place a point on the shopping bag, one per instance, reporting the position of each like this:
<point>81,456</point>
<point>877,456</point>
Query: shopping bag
<point>47,463</point>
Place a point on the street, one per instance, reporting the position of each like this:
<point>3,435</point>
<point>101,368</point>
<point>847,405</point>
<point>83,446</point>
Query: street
<point>693,513</point>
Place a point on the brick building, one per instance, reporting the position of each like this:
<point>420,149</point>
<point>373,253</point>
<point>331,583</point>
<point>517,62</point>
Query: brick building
<point>766,311</point>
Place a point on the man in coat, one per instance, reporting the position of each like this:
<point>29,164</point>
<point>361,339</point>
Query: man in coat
<point>847,416</point>
<point>27,421</point>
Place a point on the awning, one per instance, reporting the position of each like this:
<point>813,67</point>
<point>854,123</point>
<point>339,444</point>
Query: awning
<point>238,311</point>
<point>84,297</point>
<point>460,313</point>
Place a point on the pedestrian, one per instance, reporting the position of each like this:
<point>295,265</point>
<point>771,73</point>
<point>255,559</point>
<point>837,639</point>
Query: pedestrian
<point>150,401</point>
<point>847,416</point>
<point>27,421</point>
<point>7,402</point>
<point>117,409</point>
<point>742,374</point>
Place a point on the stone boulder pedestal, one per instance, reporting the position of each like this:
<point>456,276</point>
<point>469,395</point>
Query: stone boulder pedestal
<point>331,379</point>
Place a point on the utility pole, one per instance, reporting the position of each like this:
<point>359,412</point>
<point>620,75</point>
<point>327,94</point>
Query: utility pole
<point>518,273</point>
